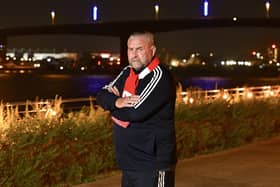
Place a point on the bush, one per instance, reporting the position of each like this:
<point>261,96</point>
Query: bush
<point>210,127</point>
<point>48,152</point>
<point>53,148</point>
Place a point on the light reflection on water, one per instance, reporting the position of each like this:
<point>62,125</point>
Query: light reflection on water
<point>28,87</point>
<point>206,83</point>
<point>210,83</point>
<point>47,86</point>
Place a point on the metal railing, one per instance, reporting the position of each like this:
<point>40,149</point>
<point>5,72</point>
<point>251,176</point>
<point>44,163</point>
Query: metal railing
<point>70,104</point>
<point>232,94</point>
<point>189,96</point>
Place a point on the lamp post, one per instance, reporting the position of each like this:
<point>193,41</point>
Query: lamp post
<point>52,17</point>
<point>267,8</point>
<point>157,11</point>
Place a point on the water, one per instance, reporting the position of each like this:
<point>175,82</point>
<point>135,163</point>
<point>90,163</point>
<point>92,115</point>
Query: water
<point>22,87</point>
<point>47,86</point>
<point>210,83</point>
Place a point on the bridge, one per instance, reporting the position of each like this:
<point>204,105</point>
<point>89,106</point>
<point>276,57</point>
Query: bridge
<point>122,29</point>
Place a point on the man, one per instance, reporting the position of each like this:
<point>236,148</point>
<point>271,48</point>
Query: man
<point>142,100</point>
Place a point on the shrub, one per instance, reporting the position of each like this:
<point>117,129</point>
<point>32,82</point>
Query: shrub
<point>53,148</point>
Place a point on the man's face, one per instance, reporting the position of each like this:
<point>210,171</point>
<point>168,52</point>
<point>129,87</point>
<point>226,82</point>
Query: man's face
<point>139,51</point>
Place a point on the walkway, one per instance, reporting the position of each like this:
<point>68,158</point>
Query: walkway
<point>253,165</point>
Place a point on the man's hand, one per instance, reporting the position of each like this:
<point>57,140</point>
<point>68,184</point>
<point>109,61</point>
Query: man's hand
<point>114,90</point>
<point>123,101</point>
<point>127,101</point>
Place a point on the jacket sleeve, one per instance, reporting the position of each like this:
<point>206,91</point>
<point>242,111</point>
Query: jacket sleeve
<point>106,99</point>
<point>157,93</point>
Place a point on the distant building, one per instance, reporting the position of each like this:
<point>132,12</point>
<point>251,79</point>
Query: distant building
<point>272,54</point>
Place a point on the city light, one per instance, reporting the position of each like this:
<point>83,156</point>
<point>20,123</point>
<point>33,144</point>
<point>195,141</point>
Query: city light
<point>52,17</point>
<point>105,55</point>
<point>95,13</point>
<point>235,63</point>
<point>174,63</point>
<point>156,11</point>
<point>267,8</point>
<point>205,8</point>
<point>232,95</point>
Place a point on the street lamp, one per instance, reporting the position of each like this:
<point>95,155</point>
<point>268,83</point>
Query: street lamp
<point>205,8</point>
<point>157,11</point>
<point>52,16</point>
<point>267,8</point>
<point>95,13</point>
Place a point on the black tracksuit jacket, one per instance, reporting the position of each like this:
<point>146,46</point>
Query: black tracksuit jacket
<point>149,141</point>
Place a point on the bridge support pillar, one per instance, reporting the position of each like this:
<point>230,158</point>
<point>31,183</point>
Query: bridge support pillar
<point>123,50</point>
<point>3,48</point>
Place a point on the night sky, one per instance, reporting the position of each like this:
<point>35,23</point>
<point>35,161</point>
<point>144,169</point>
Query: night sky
<point>226,41</point>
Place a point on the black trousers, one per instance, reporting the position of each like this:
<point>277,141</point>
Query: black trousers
<point>161,178</point>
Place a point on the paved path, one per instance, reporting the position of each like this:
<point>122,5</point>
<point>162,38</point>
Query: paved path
<point>253,165</point>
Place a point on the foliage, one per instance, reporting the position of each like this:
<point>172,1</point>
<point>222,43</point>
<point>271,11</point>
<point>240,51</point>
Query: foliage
<point>53,148</point>
<point>51,151</point>
<point>219,125</point>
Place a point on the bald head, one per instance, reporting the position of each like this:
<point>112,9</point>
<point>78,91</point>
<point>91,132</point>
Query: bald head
<point>147,35</point>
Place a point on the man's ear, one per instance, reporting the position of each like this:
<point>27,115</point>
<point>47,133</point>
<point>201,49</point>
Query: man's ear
<point>154,49</point>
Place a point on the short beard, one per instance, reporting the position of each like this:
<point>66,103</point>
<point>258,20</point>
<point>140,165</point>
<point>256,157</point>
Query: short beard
<point>139,65</point>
